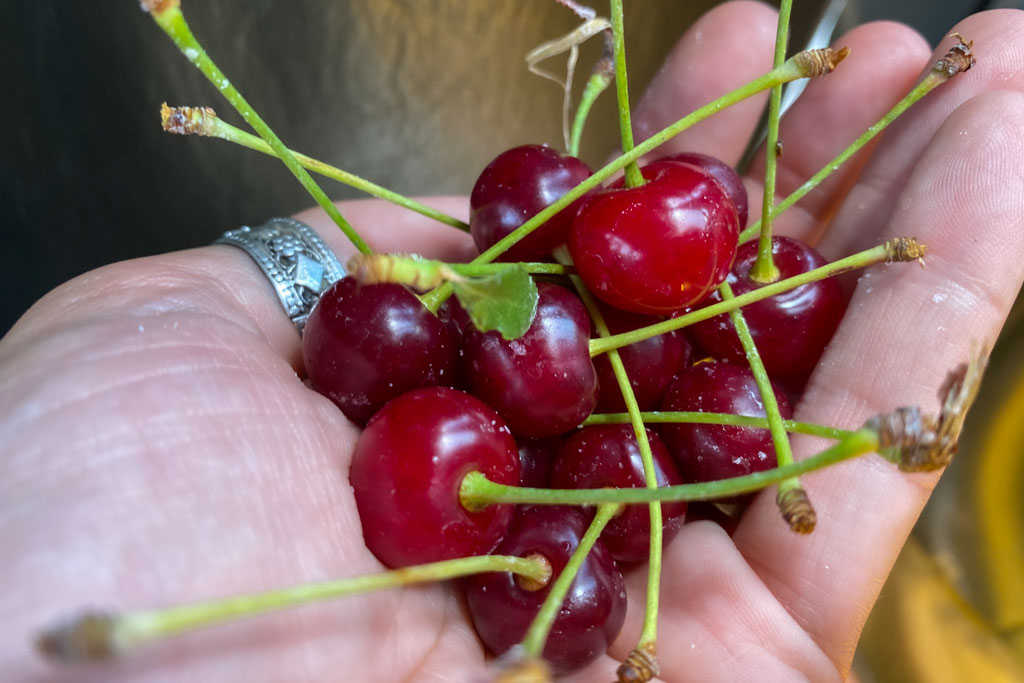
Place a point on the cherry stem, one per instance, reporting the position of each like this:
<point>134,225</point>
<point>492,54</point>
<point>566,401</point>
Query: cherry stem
<point>421,273</point>
<point>780,439</point>
<point>683,417</point>
<point>93,635</point>
<point>878,254</point>
<point>598,82</point>
<point>537,634</point>
<point>649,634</point>
<point>798,66</point>
<point>169,18</point>
<point>203,121</point>
<point>633,176</point>
<point>477,490</point>
<point>764,270</point>
<point>929,83</point>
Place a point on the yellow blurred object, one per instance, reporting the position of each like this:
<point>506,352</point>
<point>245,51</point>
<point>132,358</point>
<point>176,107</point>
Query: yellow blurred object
<point>923,630</point>
<point>953,608</point>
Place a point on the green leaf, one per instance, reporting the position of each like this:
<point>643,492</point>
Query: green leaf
<point>505,301</point>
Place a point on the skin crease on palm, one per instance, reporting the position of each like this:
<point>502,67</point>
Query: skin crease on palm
<point>157,446</point>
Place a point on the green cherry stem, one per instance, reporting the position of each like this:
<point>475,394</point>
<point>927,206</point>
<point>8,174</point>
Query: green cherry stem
<point>801,519</point>
<point>96,636</point>
<point>764,271</point>
<point>633,176</point>
<point>672,417</point>
<point>420,273</point>
<point>896,249</point>
<point>598,82</point>
<point>537,634</point>
<point>203,121</point>
<point>167,15</point>
<point>935,77</point>
<point>477,491</point>
<point>807,64</point>
<point>649,633</point>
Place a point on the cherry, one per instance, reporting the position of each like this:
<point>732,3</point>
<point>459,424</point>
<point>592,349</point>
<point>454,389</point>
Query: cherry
<point>650,364</point>
<point>502,608</point>
<point>535,459</point>
<point>407,468</point>
<point>607,456</point>
<point>517,185</point>
<point>790,329</point>
<point>709,452</point>
<point>724,174</point>
<point>660,246</point>
<point>366,344</point>
<point>544,382</point>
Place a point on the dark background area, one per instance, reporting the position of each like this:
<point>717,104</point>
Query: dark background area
<point>417,96</point>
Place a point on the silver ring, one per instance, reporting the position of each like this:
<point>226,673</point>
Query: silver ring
<point>298,263</point>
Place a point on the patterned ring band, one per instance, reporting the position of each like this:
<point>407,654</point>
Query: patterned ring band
<point>299,264</point>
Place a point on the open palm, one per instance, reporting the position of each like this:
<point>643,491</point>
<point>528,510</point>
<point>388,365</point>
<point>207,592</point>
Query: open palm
<point>157,444</point>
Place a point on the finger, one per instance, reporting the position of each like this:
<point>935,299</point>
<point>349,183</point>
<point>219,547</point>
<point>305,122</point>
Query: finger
<point>905,328</point>
<point>389,228</point>
<point>998,38</point>
<point>729,46</point>
<point>885,60</point>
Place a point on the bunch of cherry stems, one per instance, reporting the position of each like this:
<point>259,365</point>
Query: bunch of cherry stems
<point>476,490</point>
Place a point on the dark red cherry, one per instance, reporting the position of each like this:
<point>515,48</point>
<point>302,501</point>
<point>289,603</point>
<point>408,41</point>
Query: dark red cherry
<point>650,364</point>
<point>660,246</point>
<point>544,382</point>
<point>407,468</point>
<point>727,516</point>
<point>790,329</point>
<point>366,344</point>
<point>594,609</point>
<point>516,186</point>
<point>723,173</point>
<point>709,452</point>
<point>607,456</point>
<point>535,459</point>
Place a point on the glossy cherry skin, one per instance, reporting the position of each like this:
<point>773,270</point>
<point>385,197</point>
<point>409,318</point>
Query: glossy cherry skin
<point>515,187</point>
<point>706,452</point>
<point>407,468</point>
<point>658,247</point>
<point>607,456</point>
<point>536,457</point>
<point>594,609</point>
<point>650,364</point>
<point>544,382</point>
<point>790,329</point>
<point>366,344</point>
<point>724,174</point>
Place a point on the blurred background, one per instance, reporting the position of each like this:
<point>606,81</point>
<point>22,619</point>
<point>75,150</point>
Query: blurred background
<point>418,96</point>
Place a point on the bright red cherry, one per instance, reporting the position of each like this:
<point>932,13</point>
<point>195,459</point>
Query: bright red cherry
<point>516,186</point>
<point>723,173</point>
<point>708,452</point>
<point>607,456</point>
<point>407,468</point>
<point>660,246</point>
<point>542,383</point>
<point>503,608</point>
<point>650,364</point>
<point>366,344</point>
<point>790,329</point>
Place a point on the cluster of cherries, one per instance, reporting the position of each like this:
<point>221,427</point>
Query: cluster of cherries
<point>440,398</point>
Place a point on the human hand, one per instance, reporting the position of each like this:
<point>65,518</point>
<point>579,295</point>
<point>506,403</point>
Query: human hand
<point>158,447</point>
